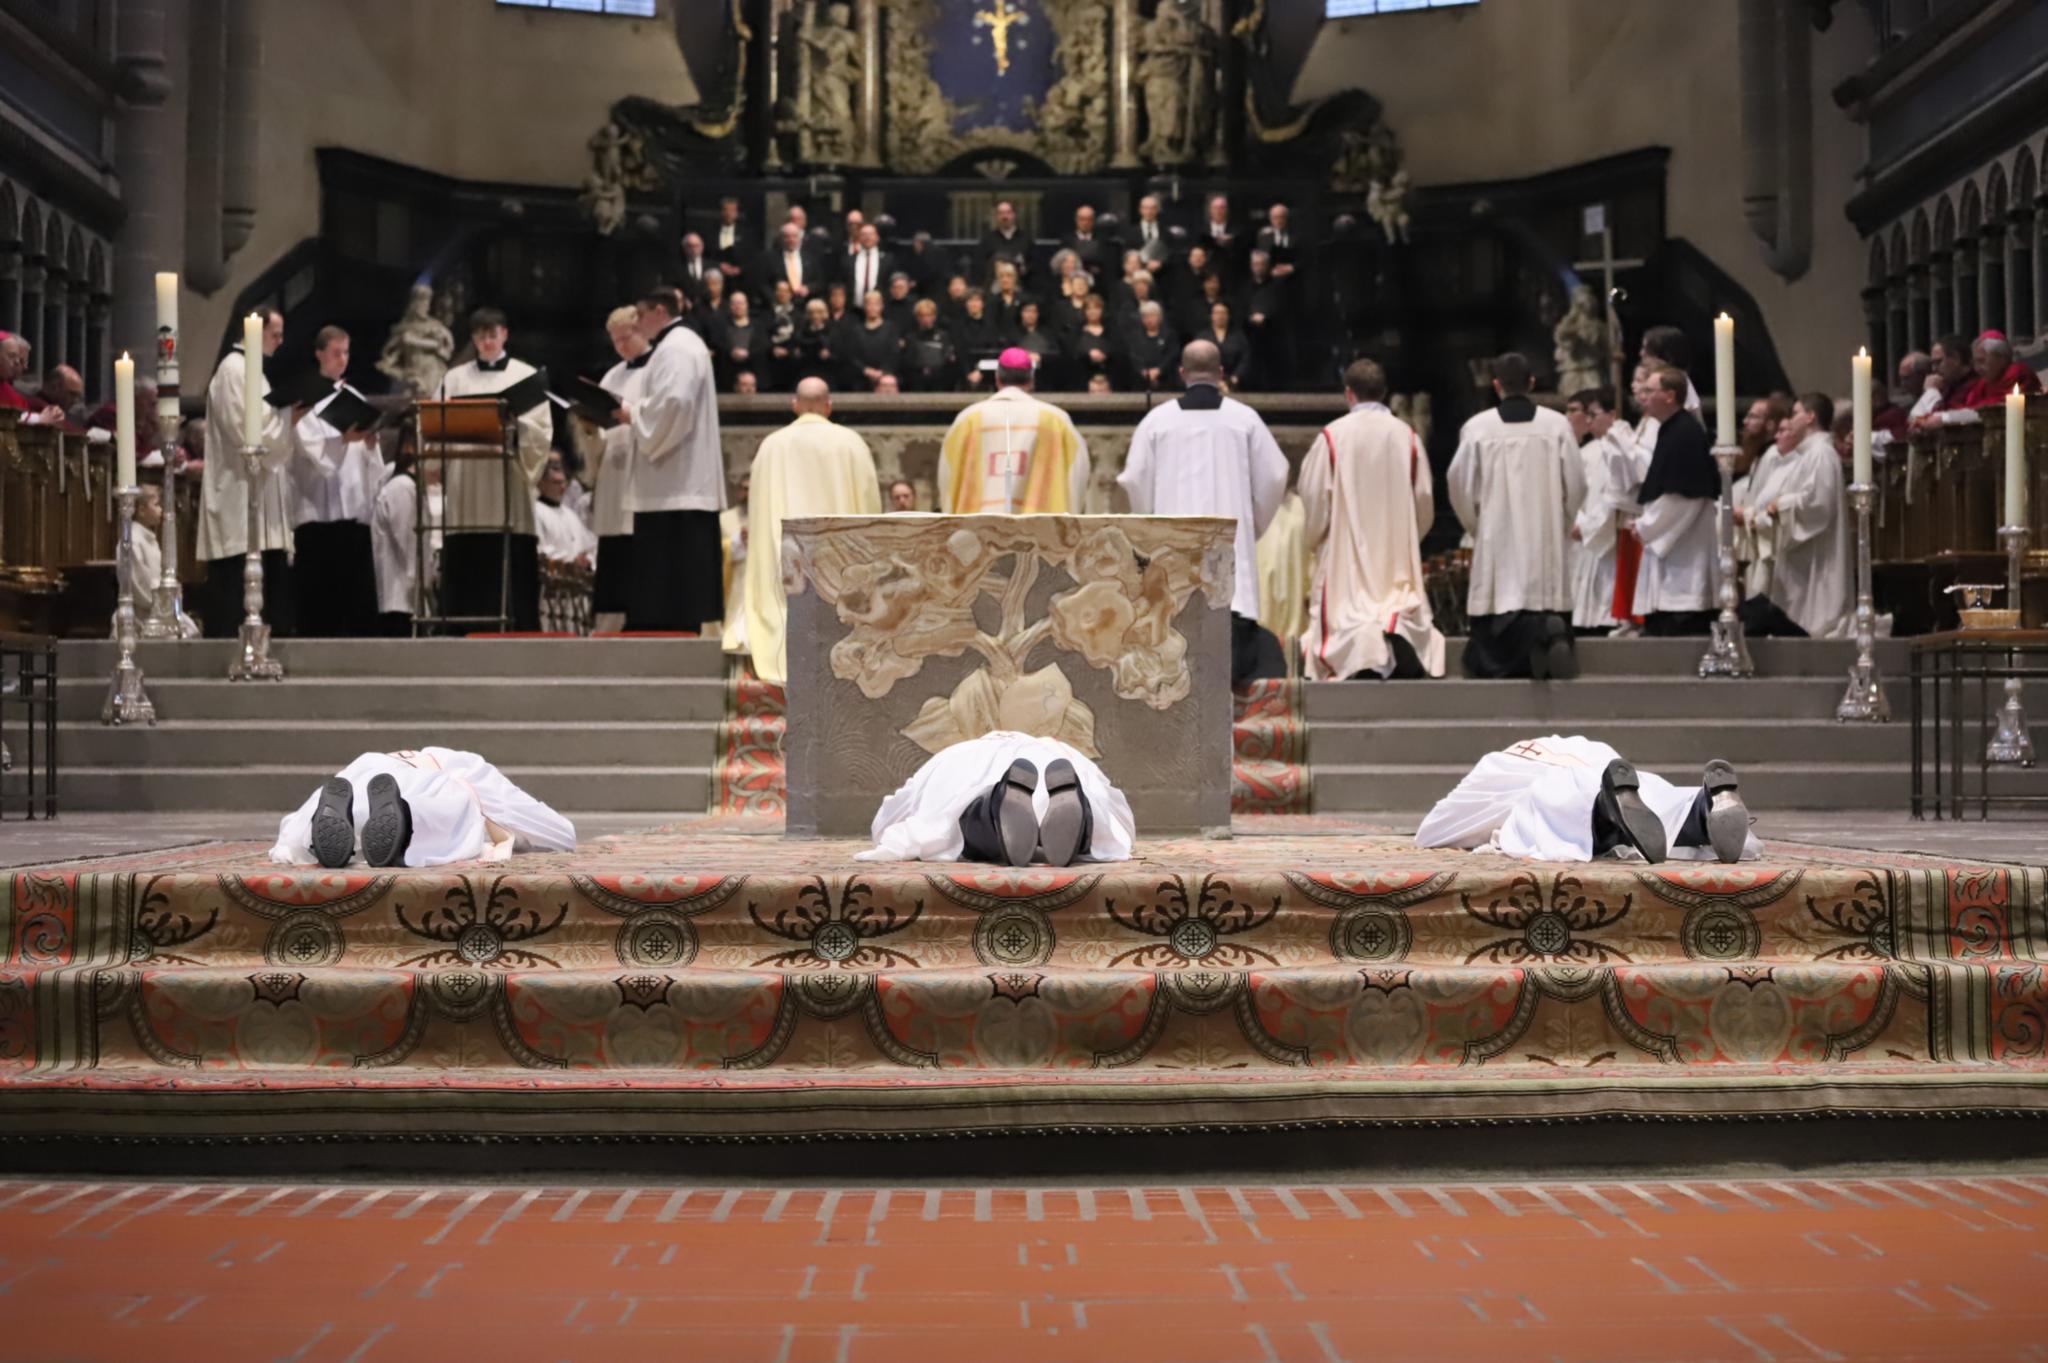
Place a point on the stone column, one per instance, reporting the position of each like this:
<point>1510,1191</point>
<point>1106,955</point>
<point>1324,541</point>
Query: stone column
<point>56,344</point>
<point>2041,269</point>
<point>1123,81</point>
<point>1919,318</point>
<point>768,58</point>
<point>2021,319</point>
<point>870,20</point>
<point>1896,324</point>
<point>1873,327</point>
<point>1968,313</point>
<point>32,303</point>
<point>10,286</point>
<point>1991,277</point>
<point>152,168</point>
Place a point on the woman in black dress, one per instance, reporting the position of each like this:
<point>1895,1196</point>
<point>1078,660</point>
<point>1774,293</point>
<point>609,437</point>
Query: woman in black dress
<point>1237,352</point>
<point>1095,349</point>
<point>811,351</point>
<point>873,349</point>
<point>737,340</point>
<point>1154,351</point>
<point>1031,336</point>
<point>929,363</point>
<point>976,337</point>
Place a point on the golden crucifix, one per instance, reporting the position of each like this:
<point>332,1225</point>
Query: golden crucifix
<point>997,20</point>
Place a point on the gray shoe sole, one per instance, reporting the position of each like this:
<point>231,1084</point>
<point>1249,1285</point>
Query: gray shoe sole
<point>1727,816</point>
<point>1059,836</point>
<point>334,824</point>
<point>1017,822</point>
<point>387,830</point>
<point>1644,829</point>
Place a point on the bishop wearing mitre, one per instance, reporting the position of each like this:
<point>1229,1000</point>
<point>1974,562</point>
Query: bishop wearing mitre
<point>1012,453</point>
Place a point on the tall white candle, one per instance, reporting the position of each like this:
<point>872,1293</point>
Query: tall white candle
<point>1724,380</point>
<point>2015,458</point>
<point>1859,368</point>
<point>167,302</point>
<point>252,379</point>
<point>124,421</point>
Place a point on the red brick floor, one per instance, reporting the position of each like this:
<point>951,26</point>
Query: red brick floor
<point>1754,1270</point>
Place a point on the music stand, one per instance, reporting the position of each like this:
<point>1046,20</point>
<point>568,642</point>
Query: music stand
<point>464,430</point>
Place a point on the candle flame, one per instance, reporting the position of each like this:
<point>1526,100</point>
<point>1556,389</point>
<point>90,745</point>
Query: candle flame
<point>1863,352</point>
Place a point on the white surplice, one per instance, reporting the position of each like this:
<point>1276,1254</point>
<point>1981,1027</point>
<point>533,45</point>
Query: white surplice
<point>1367,500</point>
<point>224,483</point>
<point>921,820</point>
<point>463,809</point>
<point>1210,461</point>
<point>611,510</point>
<point>1756,538</point>
<point>480,491</point>
<point>1813,578</point>
<point>1516,485</point>
<point>1535,799</point>
<point>564,537</point>
<point>677,462</point>
<point>1606,508</point>
<point>393,550</point>
<point>146,569</point>
<point>332,477</point>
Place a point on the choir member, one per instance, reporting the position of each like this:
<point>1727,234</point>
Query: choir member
<point>481,496</point>
<point>224,494</point>
<point>1675,583</point>
<point>930,362</point>
<point>564,538</point>
<point>1601,434</point>
<point>678,480</point>
<point>1804,513</point>
<point>1230,343</point>
<point>873,348</point>
<point>1004,241</point>
<point>1152,349</point>
<point>871,266</point>
<point>612,517</point>
<point>393,545</point>
<point>738,340</point>
<point>1090,248</point>
<point>335,472</point>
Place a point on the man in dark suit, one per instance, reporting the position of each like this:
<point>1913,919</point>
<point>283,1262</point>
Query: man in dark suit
<point>729,244</point>
<point>927,266</point>
<point>1277,240</point>
<point>1097,254</point>
<point>696,264</point>
<point>795,260</point>
<point>868,268</point>
<point>1228,246</point>
<point>1004,241</point>
<point>1148,235</point>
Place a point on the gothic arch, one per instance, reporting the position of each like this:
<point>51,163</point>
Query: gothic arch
<point>2023,183</point>
<point>1897,250</point>
<point>1878,273</point>
<point>1972,213</point>
<point>10,215</point>
<point>1923,239</point>
<point>74,254</point>
<point>96,269</point>
<point>1997,201</point>
<point>1945,225</point>
<point>32,240</point>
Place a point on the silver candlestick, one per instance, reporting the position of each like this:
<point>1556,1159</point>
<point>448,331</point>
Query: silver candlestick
<point>167,618</point>
<point>1864,701</point>
<point>127,702</point>
<point>1727,652</point>
<point>2010,745</point>
<point>253,662</point>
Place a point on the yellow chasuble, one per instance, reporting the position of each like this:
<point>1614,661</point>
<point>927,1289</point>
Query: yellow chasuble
<point>808,468</point>
<point>1013,454</point>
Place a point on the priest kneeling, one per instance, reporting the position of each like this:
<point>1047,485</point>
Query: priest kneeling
<point>1575,799</point>
<point>425,808</point>
<point>1009,799</point>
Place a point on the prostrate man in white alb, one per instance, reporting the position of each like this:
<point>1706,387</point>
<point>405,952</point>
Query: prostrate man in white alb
<point>1013,453</point>
<point>1205,454</point>
<point>482,496</point>
<point>1517,483</point>
<point>1800,513</point>
<point>678,478</point>
<point>336,473</point>
<point>810,467</point>
<point>1574,799</point>
<point>425,808</point>
<point>612,516</point>
<point>224,495</point>
<point>1367,499</point>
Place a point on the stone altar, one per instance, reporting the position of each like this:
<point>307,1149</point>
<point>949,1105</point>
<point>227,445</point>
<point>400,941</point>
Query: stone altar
<point>910,633</point>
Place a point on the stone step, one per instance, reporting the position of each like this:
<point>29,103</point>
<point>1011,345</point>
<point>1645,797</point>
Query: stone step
<point>1587,700</point>
<point>1410,787</point>
<point>1681,657</point>
<point>1652,743</point>
<point>444,658</point>
<point>533,700</point>
<point>335,743</point>
<point>620,789</point>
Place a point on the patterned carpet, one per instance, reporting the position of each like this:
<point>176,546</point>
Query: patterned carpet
<point>1269,774</point>
<point>709,981</point>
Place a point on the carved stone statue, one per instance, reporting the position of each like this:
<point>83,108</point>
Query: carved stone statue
<point>604,189</point>
<point>1173,63</point>
<point>827,133</point>
<point>1387,202</point>
<point>1581,341</point>
<point>418,350</point>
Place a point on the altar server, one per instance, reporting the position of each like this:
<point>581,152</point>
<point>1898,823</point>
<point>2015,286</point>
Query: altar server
<point>224,494</point>
<point>1675,584</point>
<point>1801,515</point>
<point>1012,453</point>
<point>393,546</point>
<point>336,472</point>
<point>1367,500</point>
<point>482,496</point>
<point>1204,454</point>
<point>810,467</point>
<point>678,478</point>
<point>563,536</point>
<point>612,469</point>
<point>146,566</point>
<point>1006,798</point>
<point>1602,436</point>
<point>1574,799</point>
<point>1516,483</point>
<point>425,808</point>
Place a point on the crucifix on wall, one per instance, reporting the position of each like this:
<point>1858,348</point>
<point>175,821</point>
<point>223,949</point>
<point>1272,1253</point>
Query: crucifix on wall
<point>997,19</point>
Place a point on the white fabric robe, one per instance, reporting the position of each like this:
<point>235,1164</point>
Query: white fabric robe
<point>393,550</point>
<point>612,512</point>
<point>1535,799</point>
<point>810,467</point>
<point>332,478</point>
<point>1606,508</point>
<point>1516,487</point>
<point>677,462</point>
<point>1367,499</point>
<point>564,537</point>
<point>921,820</point>
<point>463,809</point>
<point>1756,539</point>
<point>1285,569</point>
<point>1813,581</point>
<point>146,570</point>
<point>224,483</point>
<point>1209,462</point>
<point>478,491</point>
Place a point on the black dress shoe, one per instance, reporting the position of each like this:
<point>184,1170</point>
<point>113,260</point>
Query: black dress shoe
<point>334,824</point>
<point>387,831</point>
<point>1069,825</point>
<point>999,825</point>
<point>1720,807</point>
<point>1560,658</point>
<point>1620,818</point>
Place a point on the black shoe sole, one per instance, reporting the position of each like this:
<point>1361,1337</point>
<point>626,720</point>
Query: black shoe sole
<point>387,831</point>
<point>1727,816</point>
<point>334,824</point>
<point>1622,788</point>
<point>1016,821</point>
<point>1559,653</point>
<point>1064,832</point>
